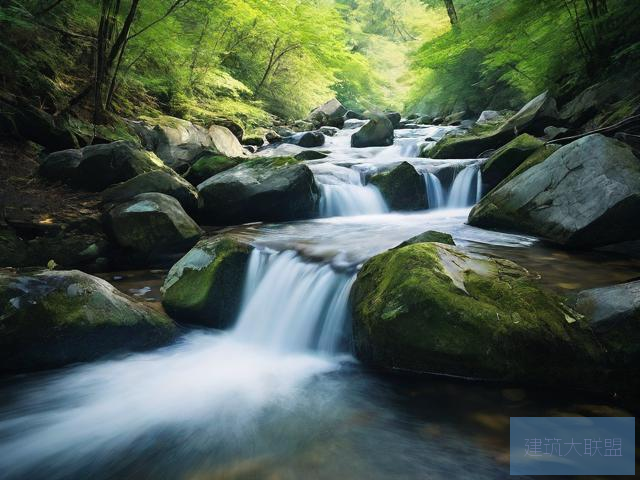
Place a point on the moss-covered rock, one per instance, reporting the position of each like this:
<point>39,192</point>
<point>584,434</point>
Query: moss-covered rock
<point>53,318</point>
<point>584,194</point>
<point>430,236</point>
<point>506,159</point>
<point>261,189</point>
<point>310,155</point>
<point>403,188</point>
<point>157,181</point>
<point>210,165</point>
<point>205,286</point>
<point>429,307</point>
<point>97,167</point>
<point>152,224</point>
<point>470,145</point>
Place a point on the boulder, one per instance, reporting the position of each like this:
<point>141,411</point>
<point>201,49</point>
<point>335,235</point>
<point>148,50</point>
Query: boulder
<point>394,118</point>
<point>506,159</point>
<point>428,120</point>
<point>431,308</point>
<point>307,139</point>
<point>329,131</point>
<point>488,116</point>
<point>272,137</point>
<point>152,224</point>
<point>614,314</point>
<point>537,114</point>
<point>353,123</point>
<point>470,145</point>
<point>377,132</point>
<point>233,126</point>
<point>586,194</point>
<point>283,131</point>
<point>303,126</point>
<point>157,181</point>
<point>179,142</point>
<point>97,167</point>
<point>262,189</point>
<point>254,140</point>
<point>351,115</point>
<point>430,236</point>
<point>55,318</point>
<point>310,155</point>
<point>551,133</point>
<point>403,188</point>
<point>210,165</point>
<point>205,286</point>
<point>455,118</point>
<point>593,100</point>
<point>330,113</point>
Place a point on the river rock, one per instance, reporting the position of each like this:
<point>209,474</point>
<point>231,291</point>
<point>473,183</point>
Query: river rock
<point>254,140</point>
<point>152,224</point>
<point>158,181</point>
<point>507,158</point>
<point>97,167</point>
<point>537,114</point>
<point>210,165</point>
<point>329,131</point>
<point>179,142</point>
<point>403,188</point>
<point>54,318</point>
<point>310,155</point>
<point>431,308</point>
<point>488,116</point>
<point>330,114</point>
<point>586,194</point>
<point>593,100</point>
<point>455,118</point>
<point>394,118</point>
<point>614,313</point>
<point>272,137</point>
<point>205,286</point>
<point>430,236</point>
<point>307,139</point>
<point>377,132</point>
<point>262,189</point>
<point>351,115</point>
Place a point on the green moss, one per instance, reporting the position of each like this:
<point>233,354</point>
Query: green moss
<point>471,145</point>
<point>430,307</point>
<point>507,158</point>
<point>210,165</point>
<point>205,286</point>
<point>430,236</point>
<point>403,188</point>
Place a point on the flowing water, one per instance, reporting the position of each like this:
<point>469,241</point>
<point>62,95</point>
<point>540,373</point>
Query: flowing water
<point>279,396</point>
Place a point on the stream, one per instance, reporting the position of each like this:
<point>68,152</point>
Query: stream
<point>279,395</point>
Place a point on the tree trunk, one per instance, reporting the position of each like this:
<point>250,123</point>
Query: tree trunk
<point>451,11</point>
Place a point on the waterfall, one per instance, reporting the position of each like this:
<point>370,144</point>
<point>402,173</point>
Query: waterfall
<point>292,305</point>
<point>435,193</point>
<point>466,187</point>
<point>343,193</point>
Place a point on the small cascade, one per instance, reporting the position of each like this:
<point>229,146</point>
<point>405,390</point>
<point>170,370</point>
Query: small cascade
<point>435,192</point>
<point>466,189</point>
<point>292,305</point>
<point>343,193</point>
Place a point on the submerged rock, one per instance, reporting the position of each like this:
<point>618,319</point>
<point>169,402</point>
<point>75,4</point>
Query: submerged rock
<point>97,167</point>
<point>506,159</point>
<point>205,286</point>
<point>403,188</point>
<point>585,194</point>
<point>210,165</point>
<point>157,181</point>
<point>262,189</point>
<point>377,132</point>
<point>431,308</point>
<point>54,318</point>
<point>152,224</point>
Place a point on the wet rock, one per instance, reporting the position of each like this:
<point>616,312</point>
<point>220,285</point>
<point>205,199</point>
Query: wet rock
<point>303,126</point>
<point>307,139</point>
<point>152,224</point>
<point>586,194</point>
<point>54,318</point>
<point>506,159</point>
<point>431,308</point>
<point>351,115</point>
<point>310,155</point>
<point>330,114</point>
<point>377,132</point>
<point>262,189</point>
<point>551,133</point>
<point>205,286</point>
<point>455,118</point>
<point>537,114</point>
<point>210,165</point>
<point>430,236</point>
<point>168,183</point>
<point>254,140</point>
<point>329,131</point>
<point>403,188</point>
<point>394,118</point>
<point>97,167</point>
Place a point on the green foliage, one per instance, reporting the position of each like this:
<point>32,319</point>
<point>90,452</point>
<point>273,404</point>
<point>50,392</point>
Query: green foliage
<point>507,51</point>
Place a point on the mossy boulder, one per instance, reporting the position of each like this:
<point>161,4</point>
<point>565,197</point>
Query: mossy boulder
<point>431,308</point>
<point>261,189</point>
<point>506,159</point>
<point>97,167</point>
<point>403,188</point>
<point>210,165</point>
<point>310,155</point>
<point>157,181</point>
<point>152,224</point>
<point>54,318</point>
<point>585,194</point>
<point>614,315</point>
<point>430,236</point>
<point>254,140</point>
<point>471,145</point>
<point>205,286</point>
<point>377,132</point>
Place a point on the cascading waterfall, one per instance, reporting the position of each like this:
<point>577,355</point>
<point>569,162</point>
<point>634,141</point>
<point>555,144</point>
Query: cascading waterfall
<point>435,192</point>
<point>291,305</point>
<point>342,192</point>
<point>466,189</point>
